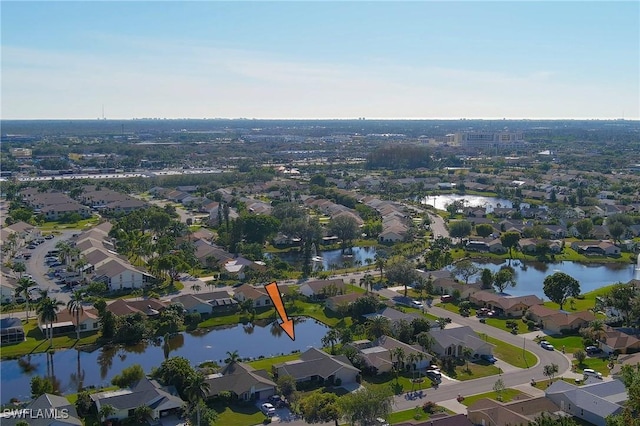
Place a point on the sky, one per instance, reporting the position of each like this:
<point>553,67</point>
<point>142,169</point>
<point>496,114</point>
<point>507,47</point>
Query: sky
<point>344,59</point>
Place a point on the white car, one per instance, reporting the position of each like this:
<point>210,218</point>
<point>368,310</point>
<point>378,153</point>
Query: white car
<point>546,345</point>
<point>268,409</point>
<point>416,303</point>
<point>589,372</point>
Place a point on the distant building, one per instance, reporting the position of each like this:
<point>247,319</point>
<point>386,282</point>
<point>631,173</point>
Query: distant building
<point>488,140</point>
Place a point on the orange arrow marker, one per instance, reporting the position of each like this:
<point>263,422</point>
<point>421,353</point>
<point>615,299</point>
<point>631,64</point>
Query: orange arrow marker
<point>276,299</point>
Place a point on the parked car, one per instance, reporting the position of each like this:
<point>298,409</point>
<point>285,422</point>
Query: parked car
<point>489,358</point>
<point>268,409</point>
<point>589,372</point>
<point>49,237</point>
<point>446,298</point>
<point>592,350</point>
<point>416,303</point>
<point>31,246</point>
<point>546,345</point>
<point>381,422</point>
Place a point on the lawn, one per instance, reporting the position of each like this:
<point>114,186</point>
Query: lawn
<point>502,324</point>
<point>476,371</point>
<point>507,395</point>
<point>584,302</point>
<point>570,343</point>
<point>82,224</point>
<point>36,343</point>
<point>598,364</point>
<point>412,414</point>
<point>238,414</point>
<point>518,357</point>
<point>403,384</point>
<point>267,363</point>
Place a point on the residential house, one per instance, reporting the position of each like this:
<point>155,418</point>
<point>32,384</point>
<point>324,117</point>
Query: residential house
<point>118,275</point>
<point>243,381</point>
<point>122,307</point>
<point>258,295</point>
<point>448,285</point>
<point>530,245</point>
<point>333,303</point>
<point>66,322</point>
<point>8,286</point>
<point>206,303</point>
<point>393,234</point>
<point>619,342</point>
<point>520,411</point>
<point>320,289</point>
<point>315,364</point>
<point>592,403</point>
<point>378,355</point>
<point>393,315</point>
<point>558,322</point>
<point>163,400</point>
<point>601,248</point>
<point>46,410</point>
<point>11,331</point>
<point>452,340</point>
<point>440,419</point>
<point>505,305</point>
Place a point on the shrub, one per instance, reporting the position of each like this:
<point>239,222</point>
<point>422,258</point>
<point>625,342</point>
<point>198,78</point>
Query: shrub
<point>429,407</point>
<point>192,318</point>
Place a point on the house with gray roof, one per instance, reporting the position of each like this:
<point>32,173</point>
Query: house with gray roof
<point>163,400</point>
<point>378,354</point>
<point>244,381</point>
<point>46,410</point>
<point>315,364</point>
<point>592,403</point>
<point>206,303</point>
<point>452,341</point>
<point>521,411</point>
<point>392,315</point>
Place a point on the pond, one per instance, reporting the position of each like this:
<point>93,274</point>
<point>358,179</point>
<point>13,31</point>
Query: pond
<point>331,259</point>
<point>440,202</point>
<point>530,275</point>
<point>72,368</point>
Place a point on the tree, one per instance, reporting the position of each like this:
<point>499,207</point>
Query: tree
<point>330,339</point>
<point>550,370</point>
<point>20,268</point>
<point>176,371</point>
<point>22,289</point>
<point>128,376</point>
<point>510,240</point>
<point>320,408</point>
<point>498,388</point>
<point>233,357</point>
<point>47,311</point>
<point>425,340</point>
<point>363,407</point>
<point>621,297</point>
<point>345,227</point>
<point>367,281</point>
<point>460,228</point>
<point>442,322</point>
<point>504,278</point>
<point>381,262</point>
<point>74,306</point>
<point>486,277</point>
<point>559,286</point>
<point>403,273</point>
<point>630,376</point>
<point>545,419</point>
<point>584,228</point>
<point>286,385</point>
<point>466,269</point>
<point>141,413</point>
<point>197,391</point>
<point>484,230</point>
<point>40,386</point>
<point>106,410</point>
<point>467,352</point>
<point>579,355</point>
<point>616,230</point>
<point>378,326</point>
<point>258,228</point>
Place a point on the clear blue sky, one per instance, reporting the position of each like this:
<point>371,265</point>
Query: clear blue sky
<point>263,59</point>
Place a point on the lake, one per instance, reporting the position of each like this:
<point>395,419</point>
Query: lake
<point>530,276</point>
<point>99,367</point>
<point>332,259</point>
<point>440,202</point>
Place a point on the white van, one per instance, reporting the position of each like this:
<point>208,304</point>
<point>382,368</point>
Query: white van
<point>588,372</point>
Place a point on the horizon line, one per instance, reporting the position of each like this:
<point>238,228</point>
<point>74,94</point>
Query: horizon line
<point>333,119</point>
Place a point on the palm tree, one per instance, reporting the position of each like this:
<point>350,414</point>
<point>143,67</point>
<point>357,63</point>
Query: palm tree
<point>330,339</point>
<point>74,306</point>
<point>64,250</point>
<point>233,357</point>
<point>47,311</point>
<point>399,355</point>
<point>196,287</point>
<point>425,340</point>
<point>79,266</point>
<point>466,354</point>
<point>378,326</point>
<point>197,390</point>
<point>23,290</point>
<point>380,264</point>
<point>367,280</point>
<point>412,358</point>
<point>106,410</point>
<point>20,268</point>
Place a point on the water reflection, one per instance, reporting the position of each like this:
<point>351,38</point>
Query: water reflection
<point>332,259</point>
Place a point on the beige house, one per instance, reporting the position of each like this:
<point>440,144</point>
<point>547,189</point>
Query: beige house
<point>378,354</point>
<point>258,295</point>
<point>243,381</point>
<point>510,306</point>
<point>320,288</point>
<point>315,364</point>
<point>333,303</point>
<point>557,322</point>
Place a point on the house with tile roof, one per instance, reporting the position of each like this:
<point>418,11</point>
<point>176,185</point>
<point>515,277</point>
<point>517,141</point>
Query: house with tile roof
<point>46,410</point>
<point>557,322</point>
<point>333,303</point>
<point>318,289</point>
<point>592,403</point>
<point>378,354</point>
<point>315,364</point>
<point>257,294</point>
<point>163,400</point>
<point>619,342</point>
<point>503,304</point>
<point>521,411</point>
<point>242,380</point>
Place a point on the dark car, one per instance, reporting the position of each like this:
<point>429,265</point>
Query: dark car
<point>592,350</point>
<point>489,358</point>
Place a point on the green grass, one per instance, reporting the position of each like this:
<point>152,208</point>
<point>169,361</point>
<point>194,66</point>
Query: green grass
<point>412,414</point>
<point>584,302</point>
<point>502,324</point>
<point>598,364</point>
<point>217,320</point>
<point>570,343</point>
<point>507,395</point>
<point>267,363</point>
<point>74,396</point>
<point>238,414</point>
<point>511,354</point>
<point>36,343</point>
<point>82,224</point>
<point>403,383</point>
<point>476,371</point>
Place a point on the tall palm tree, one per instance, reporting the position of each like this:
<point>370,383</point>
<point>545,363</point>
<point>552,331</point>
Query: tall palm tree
<point>378,326</point>
<point>425,340</point>
<point>20,268</point>
<point>23,290</point>
<point>380,264</point>
<point>233,357</point>
<point>330,339</point>
<point>64,250</point>
<point>412,358</point>
<point>466,354</point>
<point>367,280</point>
<point>197,390</point>
<point>47,311</point>
<point>399,355</point>
<point>74,306</point>
<point>79,266</point>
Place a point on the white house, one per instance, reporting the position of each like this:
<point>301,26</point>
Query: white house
<point>119,275</point>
